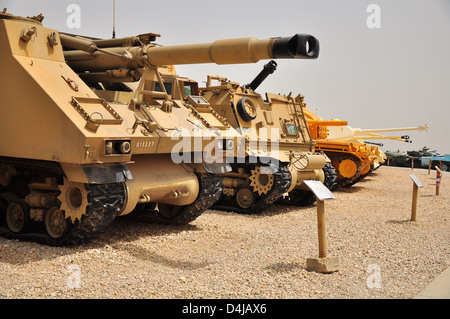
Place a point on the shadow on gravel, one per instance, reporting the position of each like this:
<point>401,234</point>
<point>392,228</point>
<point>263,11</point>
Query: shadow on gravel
<point>351,189</point>
<point>282,267</point>
<point>399,222</point>
<point>272,210</point>
<point>120,231</point>
<point>147,255</point>
<point>127,229</point>
<point>366,179</point>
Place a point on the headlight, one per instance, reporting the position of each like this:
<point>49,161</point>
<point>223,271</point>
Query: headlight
<point>117,147</point>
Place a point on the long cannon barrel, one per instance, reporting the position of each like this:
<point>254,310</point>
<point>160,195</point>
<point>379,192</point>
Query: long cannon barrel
<point>327,123</point>
<point>398,129</point>
<point>373,143</point>
<point>86,56</point>
<point>347,132</point>
<point>268,69</point>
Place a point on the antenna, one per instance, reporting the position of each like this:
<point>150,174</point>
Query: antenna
<point>114,19</point>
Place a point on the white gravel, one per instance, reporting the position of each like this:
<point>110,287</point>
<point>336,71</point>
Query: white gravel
<point>225,255</point>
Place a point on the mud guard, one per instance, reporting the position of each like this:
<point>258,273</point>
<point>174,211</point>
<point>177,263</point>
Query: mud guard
<point>217,168</point>
<point>93,174</point>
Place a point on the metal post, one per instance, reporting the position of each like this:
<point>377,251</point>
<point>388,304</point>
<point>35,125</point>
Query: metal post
<point>321,228</point>
<point>414,202</point>
<point>114,20</point>
<point>438,182</point>
<point>323,264</point>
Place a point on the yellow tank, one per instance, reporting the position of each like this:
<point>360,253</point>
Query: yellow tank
<point>357,135</point>
<point>79,149</point>
<point>352,157</point>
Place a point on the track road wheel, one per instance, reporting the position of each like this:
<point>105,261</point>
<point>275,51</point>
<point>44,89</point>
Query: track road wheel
<point>55,223</point>
<point>348,168</point>
<point>168,212</point>
<point>245,197</point>
<point>161,213</point>
<point>18,216</point>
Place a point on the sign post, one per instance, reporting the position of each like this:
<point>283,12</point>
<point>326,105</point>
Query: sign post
<point>438,179</point>
<point>323,264</point>
<point>417,183</point>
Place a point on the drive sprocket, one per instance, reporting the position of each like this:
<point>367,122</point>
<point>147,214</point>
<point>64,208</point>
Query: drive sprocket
<point>74,199</point>
<point>262,179</point>
<point>281,183</point>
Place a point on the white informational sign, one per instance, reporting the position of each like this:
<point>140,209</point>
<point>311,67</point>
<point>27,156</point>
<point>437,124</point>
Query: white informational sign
<point>416,180</point>
<point>320,190</point>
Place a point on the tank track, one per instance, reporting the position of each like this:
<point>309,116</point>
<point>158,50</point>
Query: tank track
<point>359,178</point>
<point>211,188</point>
<point>330,176</point>
<point>105,202</point>
<point>346,182</point>
<point>298,197</point>
<point>282,182</point>
<point>303,198</point>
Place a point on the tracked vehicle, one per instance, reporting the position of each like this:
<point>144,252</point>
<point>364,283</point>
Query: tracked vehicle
<point>262,169</point>
<point>351,156</point>
<point>79,149</point>
<point>357,135</point>
<point>279,151</point>
<point>350,159</point>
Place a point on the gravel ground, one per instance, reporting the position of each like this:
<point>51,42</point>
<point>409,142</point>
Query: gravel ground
<point>225,255</point>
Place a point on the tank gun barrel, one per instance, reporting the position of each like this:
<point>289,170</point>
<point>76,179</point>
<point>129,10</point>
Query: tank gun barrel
<point>373,143</point>
<point>87,56</point>
<point>347,132</point>
<point>417,128</point>
<point>92,44</point>
<point>404,138</point>
<point>268,69</point>
<point>327,123</point>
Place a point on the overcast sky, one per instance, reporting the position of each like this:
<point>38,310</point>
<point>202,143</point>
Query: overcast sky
<point>397,75</point>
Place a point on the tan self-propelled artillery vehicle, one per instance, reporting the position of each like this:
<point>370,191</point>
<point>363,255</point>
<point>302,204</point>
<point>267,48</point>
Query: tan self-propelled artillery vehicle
<point>71,160</point>
<point>277,140</point>
<point>262,171</point>
<point>259,178</point>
